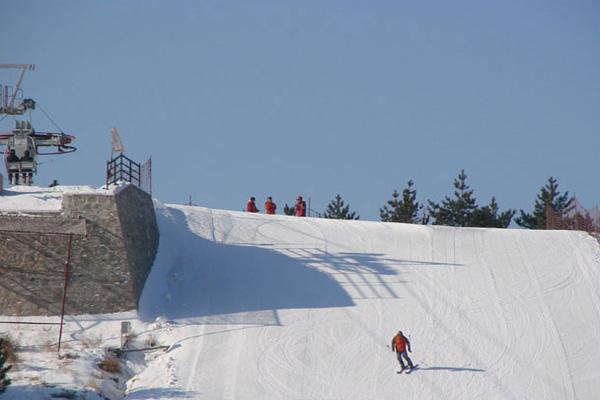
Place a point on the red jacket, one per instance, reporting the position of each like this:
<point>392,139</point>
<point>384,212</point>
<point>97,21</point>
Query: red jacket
<point>400,343</point>
<point>251,207</point>
<point>270,207</point>
<point>300,208</point>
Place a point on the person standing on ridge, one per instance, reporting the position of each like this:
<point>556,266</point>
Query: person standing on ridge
<point>251,205</point>
<point>270,206</point>
<point>300,207</point>
<point>401,345</point>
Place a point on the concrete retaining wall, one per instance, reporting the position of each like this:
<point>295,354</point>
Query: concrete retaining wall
<point>114,241</point>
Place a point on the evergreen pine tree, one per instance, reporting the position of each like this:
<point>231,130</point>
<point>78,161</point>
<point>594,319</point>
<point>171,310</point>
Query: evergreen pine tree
<point>549,196</point>
<point>4,380</point>
<point>488,216</point>
<point>289,210</point>
<point>462,209</point>
<point>405,210</point>
<point>391,214</point>
<point>455,211</point>
<point>337,210</point>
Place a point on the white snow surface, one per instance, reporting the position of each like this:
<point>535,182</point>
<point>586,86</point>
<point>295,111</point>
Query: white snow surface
<point>41,199</point>
<point>278,307</point>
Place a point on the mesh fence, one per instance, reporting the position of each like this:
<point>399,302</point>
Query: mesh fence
<point>146,176</point>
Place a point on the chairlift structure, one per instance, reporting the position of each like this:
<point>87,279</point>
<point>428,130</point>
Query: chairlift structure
<point>23,144</point>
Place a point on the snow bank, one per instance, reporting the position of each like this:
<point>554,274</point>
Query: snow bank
<point>40,199</point>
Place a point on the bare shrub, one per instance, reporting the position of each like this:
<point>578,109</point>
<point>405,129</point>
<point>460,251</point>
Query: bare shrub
<point>93,384</point>
<point>8,348</point>
<point>69,356</point>
<point>110,364</point>
<point>151,341</point>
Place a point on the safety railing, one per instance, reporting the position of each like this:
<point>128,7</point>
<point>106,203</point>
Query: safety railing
<point>122,169</point>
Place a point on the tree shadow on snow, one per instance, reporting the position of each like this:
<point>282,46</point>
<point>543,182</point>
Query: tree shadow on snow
<point>361,274</point>
<point>20,392</point>
<point>367,262</point>
<point>160,393</point>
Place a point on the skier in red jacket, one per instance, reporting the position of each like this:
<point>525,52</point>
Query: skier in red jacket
<point>400,345</point>
<point>270,206</point>
<point>251,205</point>
<point>300,207</point>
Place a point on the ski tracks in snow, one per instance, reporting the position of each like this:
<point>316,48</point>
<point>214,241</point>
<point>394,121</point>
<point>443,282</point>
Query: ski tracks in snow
<point>470,297</point>
<point>557,343</point>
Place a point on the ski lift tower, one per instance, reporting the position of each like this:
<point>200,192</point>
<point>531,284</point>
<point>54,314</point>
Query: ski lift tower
<point>22,144</point>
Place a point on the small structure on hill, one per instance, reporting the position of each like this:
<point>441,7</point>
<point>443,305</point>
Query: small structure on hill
<point>23,143</point>
<point>122,169</point>
<point>101,242</point>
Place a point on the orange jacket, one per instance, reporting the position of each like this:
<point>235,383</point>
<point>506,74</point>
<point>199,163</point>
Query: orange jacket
<point>251,207</point>
<point>400,343</point>
<point>270,207</point>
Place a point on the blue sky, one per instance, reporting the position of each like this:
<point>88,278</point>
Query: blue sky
<point>280,98</point>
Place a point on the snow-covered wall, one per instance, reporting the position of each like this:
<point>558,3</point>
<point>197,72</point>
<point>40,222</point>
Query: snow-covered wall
<point>115,238</point>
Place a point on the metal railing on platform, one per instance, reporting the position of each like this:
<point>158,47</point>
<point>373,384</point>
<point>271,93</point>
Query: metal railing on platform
<point>122,169</point>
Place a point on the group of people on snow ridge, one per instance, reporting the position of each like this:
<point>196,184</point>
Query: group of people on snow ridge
<point>271,207</point>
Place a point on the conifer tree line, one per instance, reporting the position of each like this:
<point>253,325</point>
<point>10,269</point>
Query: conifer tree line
<point>336,209</point>
<point>461,208</point>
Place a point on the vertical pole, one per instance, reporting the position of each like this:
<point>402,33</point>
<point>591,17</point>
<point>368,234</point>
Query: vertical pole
<point>16,88</point>
<point>308,211</point>
<point>64,298</point>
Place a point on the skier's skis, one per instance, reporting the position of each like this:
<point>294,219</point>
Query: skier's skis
<point>412,369</point>
<point>408,370</point>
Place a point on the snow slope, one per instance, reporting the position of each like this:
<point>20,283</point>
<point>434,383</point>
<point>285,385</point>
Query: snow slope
<point>277,307</point>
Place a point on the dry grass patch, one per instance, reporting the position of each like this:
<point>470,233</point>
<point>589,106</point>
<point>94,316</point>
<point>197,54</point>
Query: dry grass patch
<point>8,348</point>
<point>110,364</point>
<point>48,346</point>
<point>151,341</point>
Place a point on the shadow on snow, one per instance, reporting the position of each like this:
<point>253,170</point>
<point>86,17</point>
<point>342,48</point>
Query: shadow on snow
<point>452,369</point>
<point>196,278</point>
<point>160,393</point>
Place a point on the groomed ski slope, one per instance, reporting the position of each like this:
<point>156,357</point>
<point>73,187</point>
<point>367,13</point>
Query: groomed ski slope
<point>277,307</point>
